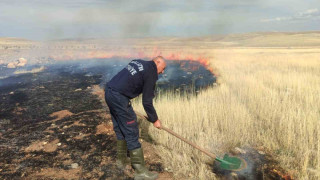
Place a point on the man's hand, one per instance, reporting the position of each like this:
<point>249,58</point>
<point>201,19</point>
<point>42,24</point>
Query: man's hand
<point>157,124</point>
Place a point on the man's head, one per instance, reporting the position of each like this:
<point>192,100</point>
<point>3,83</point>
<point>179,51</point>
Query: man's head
<point>160,63</point>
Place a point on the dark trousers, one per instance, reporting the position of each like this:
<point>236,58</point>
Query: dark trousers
<point>123,117</point>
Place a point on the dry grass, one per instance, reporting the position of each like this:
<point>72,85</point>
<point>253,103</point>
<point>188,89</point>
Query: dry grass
<point>266,97</point>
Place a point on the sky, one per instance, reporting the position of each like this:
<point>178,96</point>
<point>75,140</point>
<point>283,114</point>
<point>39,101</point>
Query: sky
<point>60,19</point>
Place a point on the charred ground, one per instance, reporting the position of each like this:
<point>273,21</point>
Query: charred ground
<point>25,114</point>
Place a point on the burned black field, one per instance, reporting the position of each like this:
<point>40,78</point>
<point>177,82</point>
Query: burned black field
<point>25,118</point>
<point>53,127</point>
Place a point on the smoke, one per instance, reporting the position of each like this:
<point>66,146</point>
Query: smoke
<point>35,19</point>
<point>46,20</point>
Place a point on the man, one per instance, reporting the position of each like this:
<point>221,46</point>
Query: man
<point>137,77</point>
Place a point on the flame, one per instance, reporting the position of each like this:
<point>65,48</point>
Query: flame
<point>145,53</point>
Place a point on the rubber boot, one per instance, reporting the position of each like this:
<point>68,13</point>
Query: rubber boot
<point>137,162</point>
<point>122,158</point>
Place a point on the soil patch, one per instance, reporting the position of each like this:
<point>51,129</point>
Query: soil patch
<point>43,146</point>
<point>55,173</point>
<point>61,114</point>
<point>105,128</point>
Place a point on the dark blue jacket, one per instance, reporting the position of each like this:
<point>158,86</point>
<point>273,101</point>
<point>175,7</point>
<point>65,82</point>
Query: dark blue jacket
<point>138,77</point>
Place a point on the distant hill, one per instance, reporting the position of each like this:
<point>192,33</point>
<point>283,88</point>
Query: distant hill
<point>261,39</point>
<point>13,40</point>
<point>274,39</point>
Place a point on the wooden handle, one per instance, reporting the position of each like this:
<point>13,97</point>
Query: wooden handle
<point>190,143</point>
<point>182,138</point>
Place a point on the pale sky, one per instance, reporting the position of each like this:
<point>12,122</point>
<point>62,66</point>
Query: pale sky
<point>57,19</point>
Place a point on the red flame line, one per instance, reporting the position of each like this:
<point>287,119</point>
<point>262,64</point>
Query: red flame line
<point>140,54</point>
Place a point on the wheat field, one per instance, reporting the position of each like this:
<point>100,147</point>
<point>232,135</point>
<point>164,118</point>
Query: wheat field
<point>268,98</point>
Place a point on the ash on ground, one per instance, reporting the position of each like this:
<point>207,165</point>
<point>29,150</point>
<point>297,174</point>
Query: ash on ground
<point>182,75</point>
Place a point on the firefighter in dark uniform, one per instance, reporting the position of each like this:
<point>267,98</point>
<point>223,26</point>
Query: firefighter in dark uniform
<point>137,77</point>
